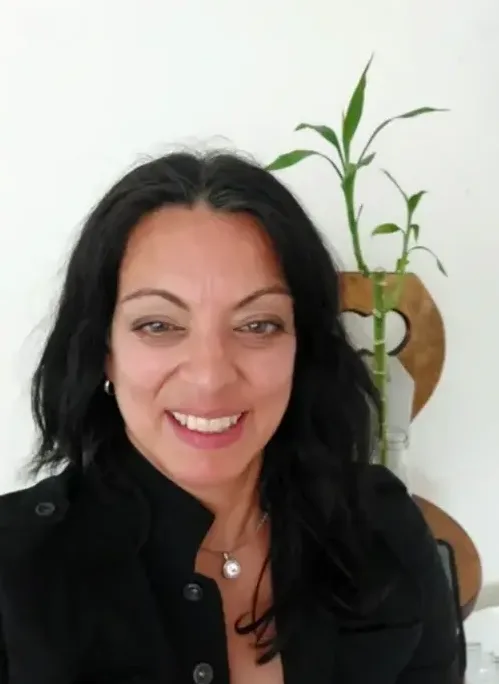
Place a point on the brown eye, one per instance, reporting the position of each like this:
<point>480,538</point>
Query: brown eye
<point>262,328</point>
<point>157,328</point>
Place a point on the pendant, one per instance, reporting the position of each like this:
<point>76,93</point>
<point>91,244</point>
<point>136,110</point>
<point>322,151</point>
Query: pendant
<point>231,569</point>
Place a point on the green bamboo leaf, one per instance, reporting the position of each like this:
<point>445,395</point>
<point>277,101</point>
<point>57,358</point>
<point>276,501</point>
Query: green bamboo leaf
<point>418,112</point>
<point>441,268</point>
<point>415,229</point>
<point>426,249</point>
<point>288,159</point>
<point>392,179</point>
<point>366,161</point>
<point>386,228</point>
<point>326,132</point>
<point>414,200</point>
<point>406,115</point>
<point>354,111</point>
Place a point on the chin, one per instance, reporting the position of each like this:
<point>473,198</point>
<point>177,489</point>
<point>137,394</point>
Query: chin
<point>209,470</point>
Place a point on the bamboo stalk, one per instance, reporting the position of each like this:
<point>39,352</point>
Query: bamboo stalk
<point>379,370</point>
<point>353,224</point>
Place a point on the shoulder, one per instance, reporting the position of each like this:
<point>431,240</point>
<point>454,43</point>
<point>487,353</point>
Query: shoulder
<point>94,508</point>
<point>396,517</point>
<point>46,498</point>
<point>402,528</point>
<point>26,514</point>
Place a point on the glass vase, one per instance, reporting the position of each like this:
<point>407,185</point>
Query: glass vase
<point>396,455</point>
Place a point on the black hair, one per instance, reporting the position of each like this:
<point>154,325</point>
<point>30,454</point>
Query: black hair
<point>312,469</point>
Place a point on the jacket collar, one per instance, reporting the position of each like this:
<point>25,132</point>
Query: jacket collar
<point>178,521</point>
<point>112,504</point>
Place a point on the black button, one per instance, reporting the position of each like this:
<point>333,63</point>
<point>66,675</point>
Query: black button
<point>202,674</point>
<point>193,592</point>
<point>45,509</point>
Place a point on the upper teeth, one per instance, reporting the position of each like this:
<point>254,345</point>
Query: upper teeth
<point>204,424</point>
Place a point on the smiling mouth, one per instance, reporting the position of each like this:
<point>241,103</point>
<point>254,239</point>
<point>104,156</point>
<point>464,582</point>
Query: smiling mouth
<point>206,425</point>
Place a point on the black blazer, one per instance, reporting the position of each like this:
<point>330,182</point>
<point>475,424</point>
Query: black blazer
<point>76,606</point>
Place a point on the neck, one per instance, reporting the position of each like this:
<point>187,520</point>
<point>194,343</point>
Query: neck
<point>236,507</point>
<point>235,504</point>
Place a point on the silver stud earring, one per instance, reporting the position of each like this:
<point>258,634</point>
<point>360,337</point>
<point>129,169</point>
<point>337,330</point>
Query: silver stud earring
<point>108,388</point>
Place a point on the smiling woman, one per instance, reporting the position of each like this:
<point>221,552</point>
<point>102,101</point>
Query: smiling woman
<point>217,518</point>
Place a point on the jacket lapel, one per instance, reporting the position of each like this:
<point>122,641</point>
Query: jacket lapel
<point>131,636</point>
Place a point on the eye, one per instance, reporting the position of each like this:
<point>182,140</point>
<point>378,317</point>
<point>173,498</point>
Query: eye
<point>157,328</point>
<point>262,328</point>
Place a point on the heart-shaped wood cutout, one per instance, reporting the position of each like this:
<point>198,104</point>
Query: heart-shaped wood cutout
<point>360,329</point>
<point>422,351</point>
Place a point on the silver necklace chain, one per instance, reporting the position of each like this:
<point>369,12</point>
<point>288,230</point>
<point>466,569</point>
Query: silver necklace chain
<point>231,567</point>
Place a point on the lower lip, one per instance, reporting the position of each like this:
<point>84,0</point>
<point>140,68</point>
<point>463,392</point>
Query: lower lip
<point>208,440</point>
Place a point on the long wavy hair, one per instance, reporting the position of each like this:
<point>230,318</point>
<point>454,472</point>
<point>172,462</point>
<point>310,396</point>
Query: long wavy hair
<point>312,467</point>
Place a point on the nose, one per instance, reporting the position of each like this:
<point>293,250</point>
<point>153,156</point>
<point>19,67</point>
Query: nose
<point>210,364</point>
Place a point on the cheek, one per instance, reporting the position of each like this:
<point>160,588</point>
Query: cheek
<point>139,367</point>
<point>271,375</point>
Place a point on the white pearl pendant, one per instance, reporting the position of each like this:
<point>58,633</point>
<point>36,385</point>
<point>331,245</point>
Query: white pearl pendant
<point>231,569</point>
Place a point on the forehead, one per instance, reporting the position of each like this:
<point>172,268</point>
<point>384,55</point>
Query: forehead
<point>197,249</point>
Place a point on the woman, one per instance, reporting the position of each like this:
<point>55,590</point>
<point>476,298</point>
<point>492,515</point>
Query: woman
<point>216,518</point>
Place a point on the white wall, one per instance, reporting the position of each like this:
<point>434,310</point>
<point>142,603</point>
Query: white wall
<point>88,87</point>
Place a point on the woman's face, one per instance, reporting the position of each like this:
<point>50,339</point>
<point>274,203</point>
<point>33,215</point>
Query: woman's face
<point>202,343</point>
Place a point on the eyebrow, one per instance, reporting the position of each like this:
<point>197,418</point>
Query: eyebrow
<point>174,299</point>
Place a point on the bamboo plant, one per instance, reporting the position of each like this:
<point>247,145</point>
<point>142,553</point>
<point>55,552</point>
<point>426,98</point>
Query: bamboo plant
<point>385,296</point>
